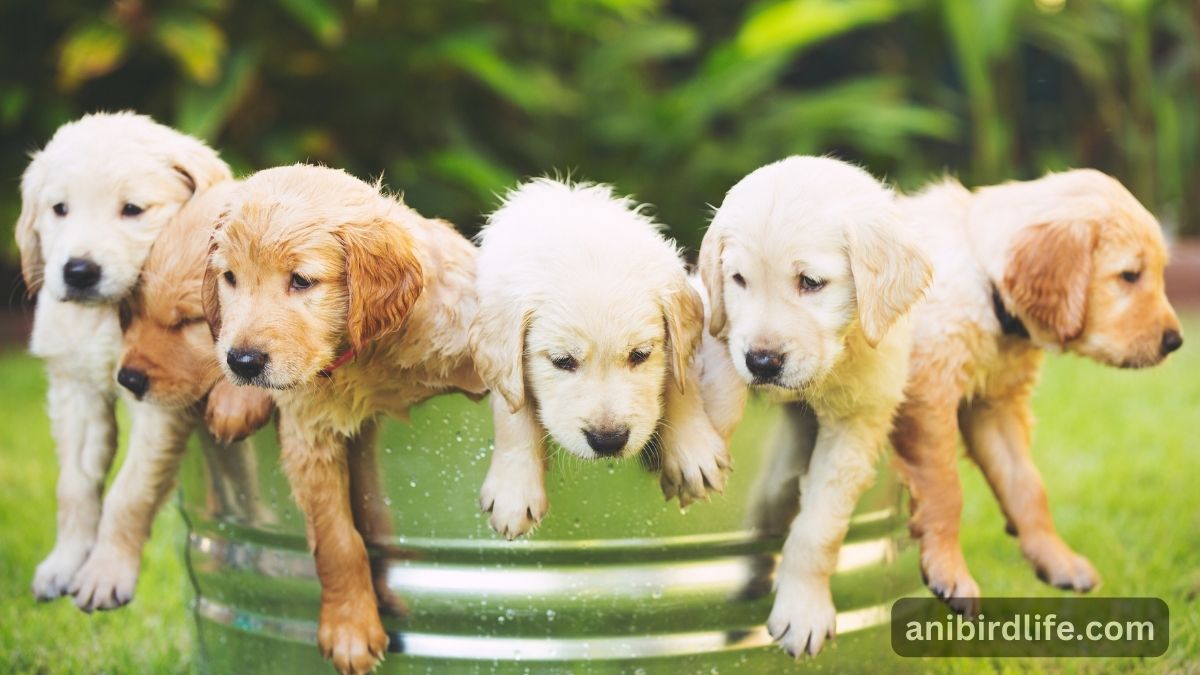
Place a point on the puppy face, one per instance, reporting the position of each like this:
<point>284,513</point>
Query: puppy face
<point>1089,276</point>
<point>597,373</point>
<point>584,312</point>
<point>168,349</point>
<point>800,256</point>
<point>96,197</point>
<point>308,262</point>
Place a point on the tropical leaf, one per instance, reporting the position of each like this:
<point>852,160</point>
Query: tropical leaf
<point>203,110</point>
<point>796,24</point>
<point>90,51</point>
<point>195,43</point>
<point>319,17</point>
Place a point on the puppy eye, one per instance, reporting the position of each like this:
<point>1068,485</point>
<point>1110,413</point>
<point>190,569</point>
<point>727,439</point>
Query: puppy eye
<point>638,356</point>
<point>131,210</point>
<point>230,279</point>
<point>300,283</point>
<point>809,284</point>
<point>565,362</point>
<point>1131,276</point>
<point>60,209</point>
<point>739,279</point>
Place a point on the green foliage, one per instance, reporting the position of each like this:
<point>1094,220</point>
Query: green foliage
<point>453,101</point>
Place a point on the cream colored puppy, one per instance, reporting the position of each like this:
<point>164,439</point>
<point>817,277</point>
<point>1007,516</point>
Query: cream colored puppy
<point>808,287</point>
<point>586,330</point>
<point>92,202</point>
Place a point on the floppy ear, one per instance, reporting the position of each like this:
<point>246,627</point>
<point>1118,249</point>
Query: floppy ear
<point>709,264</point>
<point>384,278</point>
<point>198,165</point>
<point>210,298</point>
<point>1049,268</point>
<point>28,241</point>
<point>889,275</point>
<point>497,339</point>
<point>683,312</point>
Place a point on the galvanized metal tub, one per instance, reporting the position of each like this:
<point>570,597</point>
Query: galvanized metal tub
<point>614,580</point>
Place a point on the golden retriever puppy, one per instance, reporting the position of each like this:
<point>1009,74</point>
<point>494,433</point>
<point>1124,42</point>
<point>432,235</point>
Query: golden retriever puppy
<point>1070,262</point>
<point>92,202</point>
<point>809,284</point>
<point>168,365</point>
<point>344,303</point>
<point>586,330</point>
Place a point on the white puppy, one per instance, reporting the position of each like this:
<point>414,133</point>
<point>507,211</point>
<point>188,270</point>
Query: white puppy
<point>808,288</point>
<point>586,330</point>
<point>92,203</point>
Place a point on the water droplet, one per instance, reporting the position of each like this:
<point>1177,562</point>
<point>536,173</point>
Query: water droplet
<point>387,501</point>
<point>550,614</point>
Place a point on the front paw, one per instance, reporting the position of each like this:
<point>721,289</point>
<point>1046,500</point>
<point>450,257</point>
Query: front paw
<point>803,617</point>
<point>54,574</point>
<point>517,503</point>
<point>1057,565</point>
<point>233,413</point>
<point>351,636</point>
<point>691,470</point>
<point>106,580</point>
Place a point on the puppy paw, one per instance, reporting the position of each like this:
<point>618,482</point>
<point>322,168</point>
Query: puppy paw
<point>351,637</point>
<point>54,574</point>
<point>691,470</point>
<point>106,580</point>
<point>803,617</point>
<point>1056,564</point>
<point>517,505</point>
<point>948,578</point>
<point>233,413</point>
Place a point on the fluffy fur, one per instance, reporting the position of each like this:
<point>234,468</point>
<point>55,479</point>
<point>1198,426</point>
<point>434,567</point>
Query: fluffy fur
<point>586,331</point>
<point>809,284</point>
<point>308,263</point>
<point>168,365</point>
<point>94,199</point>
<point>1055,250</point>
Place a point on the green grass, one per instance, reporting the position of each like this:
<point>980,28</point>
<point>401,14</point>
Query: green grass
<point>1114,447</point>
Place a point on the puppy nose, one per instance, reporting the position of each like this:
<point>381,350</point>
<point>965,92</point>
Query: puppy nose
<point>134,380</point>
<point>764,365</point>
<point>607,442</point>
<point>81,273</point>
<point>1171,341</point>
<point>247,363</point>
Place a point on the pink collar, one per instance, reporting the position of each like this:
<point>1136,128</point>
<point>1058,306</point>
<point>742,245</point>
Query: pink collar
<point>340,361</point>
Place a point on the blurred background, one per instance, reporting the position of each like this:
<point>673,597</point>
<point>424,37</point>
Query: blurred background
<point>452,101</point>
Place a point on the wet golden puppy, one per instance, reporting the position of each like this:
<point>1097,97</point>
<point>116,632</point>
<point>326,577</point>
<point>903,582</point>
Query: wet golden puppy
<point>809,285</point>
<point>167,364</point>
<point>344,303</point>
<point>1070,262</point>
<point>586,330</point>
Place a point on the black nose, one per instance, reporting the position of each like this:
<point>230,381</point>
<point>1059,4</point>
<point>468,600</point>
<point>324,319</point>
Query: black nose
<point>247,363</point>
<point>764,365</point>
<point>133,380</point>
<point>81,273</point>
<point>1172,340</point>
<point>607,442</point>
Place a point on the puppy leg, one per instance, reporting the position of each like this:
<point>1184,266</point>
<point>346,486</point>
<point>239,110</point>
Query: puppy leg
<point>841,469</point>
<point>85,434</point>
<point>997,436</point>
<point>514,491</point>
<point>723,390</point>
<point>926,440</point>
<point>232,413</point>
<point>371,515</point>
<point>350,633</point>
<point>158,439</point>
<point>695,458</point>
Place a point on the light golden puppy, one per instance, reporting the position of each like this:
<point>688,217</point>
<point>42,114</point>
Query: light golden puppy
<point>809,283</point>
<point>167,364</point>
<point>345,303</point>
<point>586,331</point>
<point>92,202</point>
<point>1070,262</point>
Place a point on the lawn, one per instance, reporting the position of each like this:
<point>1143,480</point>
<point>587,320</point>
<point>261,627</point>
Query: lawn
<point>1114,448</point>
